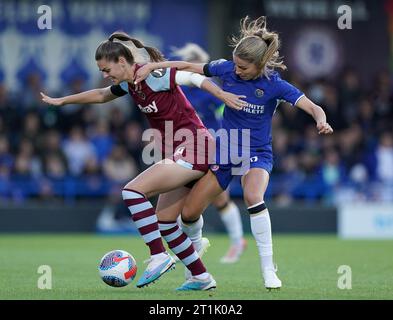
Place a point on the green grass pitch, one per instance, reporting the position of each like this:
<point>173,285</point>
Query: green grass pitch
<point>308,267</point>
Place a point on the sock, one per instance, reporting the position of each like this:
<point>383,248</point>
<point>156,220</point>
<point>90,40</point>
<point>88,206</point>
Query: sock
<point>144,216</point>
<point>261,230</point>
<point>193,230</point>
<point>230,216</point>
<point>182,247</point>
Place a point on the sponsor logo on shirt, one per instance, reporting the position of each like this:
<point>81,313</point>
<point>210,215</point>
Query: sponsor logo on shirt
<point>150,108</point>
<point>254,108</point>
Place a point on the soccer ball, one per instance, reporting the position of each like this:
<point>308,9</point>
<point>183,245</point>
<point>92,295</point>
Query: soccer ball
<point>117,268</point>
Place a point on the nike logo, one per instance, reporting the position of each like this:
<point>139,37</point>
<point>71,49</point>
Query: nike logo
<point>116,259</point>
<point>151,273</point>
<point>130,274</point>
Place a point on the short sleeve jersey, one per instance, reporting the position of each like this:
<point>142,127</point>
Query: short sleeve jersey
<point>263,96</point>
<point>163,103</point>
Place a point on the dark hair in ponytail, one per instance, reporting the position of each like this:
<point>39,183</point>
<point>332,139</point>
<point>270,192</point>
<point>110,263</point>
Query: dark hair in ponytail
<point>112,51</point>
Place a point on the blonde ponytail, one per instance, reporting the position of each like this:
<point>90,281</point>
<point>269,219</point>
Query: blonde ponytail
<point>257,45</point>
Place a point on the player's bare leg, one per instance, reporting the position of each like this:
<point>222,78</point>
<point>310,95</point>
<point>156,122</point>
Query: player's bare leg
<point>254,183</point>
<point>163,176</point>
<point>201,195</point>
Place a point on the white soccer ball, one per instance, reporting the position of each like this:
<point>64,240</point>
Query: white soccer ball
<point>117,268</point>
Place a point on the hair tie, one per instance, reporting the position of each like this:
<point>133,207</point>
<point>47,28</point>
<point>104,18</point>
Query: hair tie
<point>140,55</point>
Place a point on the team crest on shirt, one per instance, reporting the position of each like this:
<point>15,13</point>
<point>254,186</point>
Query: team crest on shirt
<point>259,93</point>
<point>141,95</point>
<point>158,73</point>
<point>214,167</point>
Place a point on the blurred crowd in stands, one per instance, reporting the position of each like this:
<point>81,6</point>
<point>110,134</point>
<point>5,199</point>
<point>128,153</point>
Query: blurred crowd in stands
<point>77,151</point>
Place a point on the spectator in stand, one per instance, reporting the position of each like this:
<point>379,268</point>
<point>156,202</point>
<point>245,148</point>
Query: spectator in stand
<point>366,117</point>
<point>27,150</point>
<point>132,140</point>
<point>29,97</point>
<point>332,172</point>
<point>6,157</point>
<point>290,175</point>
<point>383,101</point>
<point>117,122</point>
<point>31,129</point>
<point>50,149</point>
<point>54,166</point>
<point>334,110</point>
<point>78,150</point>
<point>349,93</point>
<point>384,158</point>
<point>351,145</point>
<point>73,113</point>
<point>118,168</point>
<point>9,116</point>
<point>102,140</point>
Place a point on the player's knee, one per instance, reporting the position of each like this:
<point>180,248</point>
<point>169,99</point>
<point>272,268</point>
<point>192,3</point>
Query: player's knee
<point>134,186</point>
<point>131,192</point>
<point>190,214</point>
<point>221,204</point>
<point>252,198</point>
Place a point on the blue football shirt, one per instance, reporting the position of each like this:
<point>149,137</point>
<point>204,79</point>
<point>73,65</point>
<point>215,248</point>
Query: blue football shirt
<point>263,96</point>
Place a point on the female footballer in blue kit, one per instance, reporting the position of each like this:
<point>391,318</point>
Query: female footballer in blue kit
<point>250,74</point>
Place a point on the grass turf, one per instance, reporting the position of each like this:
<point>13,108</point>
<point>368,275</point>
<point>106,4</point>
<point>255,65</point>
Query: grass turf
<point>308,268</point>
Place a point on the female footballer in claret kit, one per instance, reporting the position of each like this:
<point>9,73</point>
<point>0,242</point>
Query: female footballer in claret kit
<point>160,98</point>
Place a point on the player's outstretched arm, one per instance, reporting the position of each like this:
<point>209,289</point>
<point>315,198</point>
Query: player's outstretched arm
<point>317,113</point>
<point>143,72</point>
<point>194,79</point>
<point>92,96</point>
<point>231,100</point>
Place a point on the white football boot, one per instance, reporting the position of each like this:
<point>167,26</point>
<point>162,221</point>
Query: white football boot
<point>271,279</point>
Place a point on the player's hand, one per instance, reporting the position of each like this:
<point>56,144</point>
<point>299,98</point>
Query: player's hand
<point>52,101</point>
<point>232,100</point>
<point>324,128</point>
<point>142,73</point>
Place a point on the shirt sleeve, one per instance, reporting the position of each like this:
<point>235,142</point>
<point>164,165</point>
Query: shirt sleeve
<point>216,68</point>
<point>120,89</point>
<point>185,78</point>
<point>289,93</point>
<point>162,79</point>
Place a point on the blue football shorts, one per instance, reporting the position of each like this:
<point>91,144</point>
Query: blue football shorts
<point>257,158</point>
